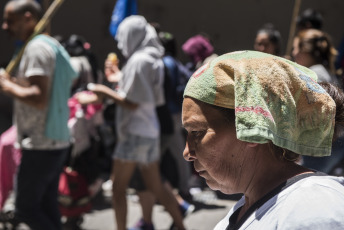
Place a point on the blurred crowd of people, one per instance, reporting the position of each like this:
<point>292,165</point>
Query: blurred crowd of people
<point>74,117</point>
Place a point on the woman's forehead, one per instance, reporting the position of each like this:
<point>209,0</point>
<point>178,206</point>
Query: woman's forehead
<point>191,111</point>
<point>196,112</point>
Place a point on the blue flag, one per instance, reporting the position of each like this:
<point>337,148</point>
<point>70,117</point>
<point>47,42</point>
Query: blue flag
<point>123,9</point>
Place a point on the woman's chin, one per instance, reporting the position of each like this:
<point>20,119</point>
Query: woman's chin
<point>212,184</point>
<point>217,187</point>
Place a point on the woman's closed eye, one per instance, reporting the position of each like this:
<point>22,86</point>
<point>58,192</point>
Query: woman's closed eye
<point>197,133</point>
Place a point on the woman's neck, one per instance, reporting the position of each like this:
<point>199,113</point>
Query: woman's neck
<point>268,179</point>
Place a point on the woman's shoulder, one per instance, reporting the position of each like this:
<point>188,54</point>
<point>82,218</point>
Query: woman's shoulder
<point>39,47</point>
<point>323,74</point>
<point>316,186</point>
<point>315,198</point>
<point>315,202</point>
<point>324,181</point>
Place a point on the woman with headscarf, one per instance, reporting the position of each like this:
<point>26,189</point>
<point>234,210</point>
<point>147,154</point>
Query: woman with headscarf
<point>139,91</point>
<point>249,115</point>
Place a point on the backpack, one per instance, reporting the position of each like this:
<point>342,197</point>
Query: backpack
<point>177,76</point>
<point>74,198</point>
<point>163,112</point>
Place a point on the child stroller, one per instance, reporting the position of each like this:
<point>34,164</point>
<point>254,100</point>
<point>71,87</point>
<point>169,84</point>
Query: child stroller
<point>79,180</point>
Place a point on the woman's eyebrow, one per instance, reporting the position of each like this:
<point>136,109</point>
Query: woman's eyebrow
<point>194,124</point>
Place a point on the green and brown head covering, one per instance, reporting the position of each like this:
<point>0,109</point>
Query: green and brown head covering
<point>274,99</point>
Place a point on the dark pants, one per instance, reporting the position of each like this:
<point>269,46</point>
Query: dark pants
<point>37,188</point>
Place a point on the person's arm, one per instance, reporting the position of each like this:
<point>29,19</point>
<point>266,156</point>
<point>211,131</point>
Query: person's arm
<point>33,86</point>
<point>86,98</point>
<point>34,94</point>
<point>104,91</point>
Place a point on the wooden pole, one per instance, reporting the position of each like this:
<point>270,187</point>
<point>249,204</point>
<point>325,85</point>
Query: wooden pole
<point>41,25</point>
<point>293,27</point>
<point>46,4</point>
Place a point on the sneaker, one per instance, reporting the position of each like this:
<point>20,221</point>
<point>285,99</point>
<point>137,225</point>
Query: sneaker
<point>142,225</point>
<point>107,188</point>
<point>186,208</point>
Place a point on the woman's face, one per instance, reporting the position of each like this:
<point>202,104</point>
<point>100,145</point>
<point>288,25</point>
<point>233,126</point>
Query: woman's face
<point>263,44</point>
<point>211,144</point>
<point>300,57</point>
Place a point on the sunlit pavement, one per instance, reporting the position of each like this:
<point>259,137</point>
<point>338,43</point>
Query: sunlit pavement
<point>210,207</point>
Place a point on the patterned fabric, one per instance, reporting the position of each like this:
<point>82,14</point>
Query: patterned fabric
<point>274,99</point>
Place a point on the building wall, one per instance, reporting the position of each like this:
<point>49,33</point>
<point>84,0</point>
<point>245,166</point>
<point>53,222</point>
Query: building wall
<point>232,25</point>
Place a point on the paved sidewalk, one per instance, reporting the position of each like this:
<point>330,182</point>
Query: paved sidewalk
<point>210,208</point>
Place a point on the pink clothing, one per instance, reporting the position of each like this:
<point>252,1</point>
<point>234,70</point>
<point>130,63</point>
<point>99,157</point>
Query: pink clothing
<point>9,161</point>
<point>89,110</point>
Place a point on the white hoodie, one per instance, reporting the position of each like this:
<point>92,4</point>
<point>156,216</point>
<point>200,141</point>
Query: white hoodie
<point>143,74</point>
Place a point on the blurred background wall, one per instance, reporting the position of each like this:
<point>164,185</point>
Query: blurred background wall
<point>232,25</point>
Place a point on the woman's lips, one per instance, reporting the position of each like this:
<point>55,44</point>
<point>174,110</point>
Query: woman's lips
<point>201,172</point>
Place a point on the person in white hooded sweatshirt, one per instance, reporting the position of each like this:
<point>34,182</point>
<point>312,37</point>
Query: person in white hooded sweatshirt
<point>139,91</point>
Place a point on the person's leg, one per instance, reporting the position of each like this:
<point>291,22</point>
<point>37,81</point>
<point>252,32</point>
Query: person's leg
<point>35,174</point>
<point>185,207</point>
<point>147,201</point>
<point>50,202</point>
<point>121,175</point>
<point>151,177</point>
<point>146,198</point>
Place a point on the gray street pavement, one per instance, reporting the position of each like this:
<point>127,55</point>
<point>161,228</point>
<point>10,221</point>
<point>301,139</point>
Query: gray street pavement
<point>210,207</point>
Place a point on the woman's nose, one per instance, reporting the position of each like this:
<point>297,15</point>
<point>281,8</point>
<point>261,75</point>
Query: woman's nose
<point>189,154</point>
